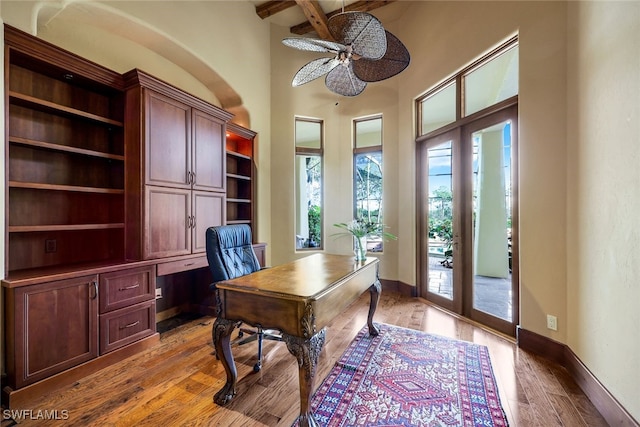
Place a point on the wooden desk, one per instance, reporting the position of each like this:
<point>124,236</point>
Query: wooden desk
<point>299,298</point>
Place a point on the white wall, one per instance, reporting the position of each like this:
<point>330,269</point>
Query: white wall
<point>603,281</point>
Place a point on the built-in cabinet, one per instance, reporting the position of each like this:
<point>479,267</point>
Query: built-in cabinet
<point>177,176</point>
<point>65,216</point>
<point>111,182</point>
<point>59,324</point>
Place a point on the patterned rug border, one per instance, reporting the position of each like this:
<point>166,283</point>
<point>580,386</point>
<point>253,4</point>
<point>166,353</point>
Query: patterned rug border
<point>476,401</point>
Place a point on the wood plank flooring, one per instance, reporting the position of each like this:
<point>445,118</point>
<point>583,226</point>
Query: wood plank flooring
<point>173,383</point>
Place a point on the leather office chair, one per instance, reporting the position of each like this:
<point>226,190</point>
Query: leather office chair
<point>230,255</point>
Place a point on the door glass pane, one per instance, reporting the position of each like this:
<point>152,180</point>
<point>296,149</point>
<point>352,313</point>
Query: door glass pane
<point>440,252</point>
<point>492,290</point>
<point>438,109</point>
<point>492,82</point>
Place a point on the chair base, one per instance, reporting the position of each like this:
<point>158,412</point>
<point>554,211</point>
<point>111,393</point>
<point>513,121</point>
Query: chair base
<point>255,335</point>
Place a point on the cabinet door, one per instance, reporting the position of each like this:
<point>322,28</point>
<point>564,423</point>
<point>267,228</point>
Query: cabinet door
<point>168,222</point>
<point>56,327</point>
<point>208,211</point>
<point>168,145</point>
<point>208,171</point>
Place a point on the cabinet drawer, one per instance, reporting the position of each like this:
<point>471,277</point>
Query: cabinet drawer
<point>124,326</point>
<point>123,288</point>
<point>183,265</point>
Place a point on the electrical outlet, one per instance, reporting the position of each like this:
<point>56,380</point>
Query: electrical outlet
<point>158,293</point>
<point>50,246</point>
<point>552,322</point>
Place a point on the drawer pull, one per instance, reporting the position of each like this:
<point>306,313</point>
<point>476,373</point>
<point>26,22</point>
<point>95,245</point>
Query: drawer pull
<point>130,325</point>
<point>126,288</point>
<point>189,263</point>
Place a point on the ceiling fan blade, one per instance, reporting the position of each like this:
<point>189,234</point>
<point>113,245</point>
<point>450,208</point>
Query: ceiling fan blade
<point>313,45</point>
<point>343,81</point>
<point>313,70</point>
<point>363,31</point>
<point>393,62</point>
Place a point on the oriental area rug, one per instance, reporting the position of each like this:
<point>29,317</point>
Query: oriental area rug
<point>405,377</point>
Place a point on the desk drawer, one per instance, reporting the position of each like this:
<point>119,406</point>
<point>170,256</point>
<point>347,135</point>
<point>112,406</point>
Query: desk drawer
<point>121,327</point>
<point>182,265</point>
<point>123,288</point>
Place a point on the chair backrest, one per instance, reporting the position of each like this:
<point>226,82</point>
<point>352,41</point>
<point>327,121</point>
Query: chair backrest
<point>229,251</point>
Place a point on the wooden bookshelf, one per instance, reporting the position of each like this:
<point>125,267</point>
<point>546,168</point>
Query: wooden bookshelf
<point>241,181</point>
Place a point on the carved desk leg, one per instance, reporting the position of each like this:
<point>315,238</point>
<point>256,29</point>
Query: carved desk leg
<point>306,351</point>
<point>374,290</point>
<point>221,332</point>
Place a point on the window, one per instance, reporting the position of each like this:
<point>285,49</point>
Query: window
<point>367,174</point>
<point>308,168</point>
<point>484,84</point>
<point>491,81</point>
<point>439,108</point>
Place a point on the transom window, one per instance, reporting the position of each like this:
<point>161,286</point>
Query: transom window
<point>484,83</point>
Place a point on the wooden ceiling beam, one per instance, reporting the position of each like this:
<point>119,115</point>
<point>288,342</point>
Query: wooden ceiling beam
<point>315,17</point>
<point>270,8</point>
<point>358,6</point>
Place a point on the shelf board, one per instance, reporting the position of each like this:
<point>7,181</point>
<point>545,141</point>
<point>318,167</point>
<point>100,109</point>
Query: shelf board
<point>33,102</point>
<point>58,187</point>
<point>63,148</point>
<point>239,221</point>
<point>232,200</point>
<point>236,154</point>
<point>236,176</point>
<point>65,227</point>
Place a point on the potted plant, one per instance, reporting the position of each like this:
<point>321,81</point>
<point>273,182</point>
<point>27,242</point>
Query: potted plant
<point>361,229</point>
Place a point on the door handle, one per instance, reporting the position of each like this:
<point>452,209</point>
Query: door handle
<point>95,289</point>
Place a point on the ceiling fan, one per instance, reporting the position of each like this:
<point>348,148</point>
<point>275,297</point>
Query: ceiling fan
<point>363,52</point>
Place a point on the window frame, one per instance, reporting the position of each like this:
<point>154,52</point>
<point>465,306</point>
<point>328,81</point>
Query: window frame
<point>458,80</point>
<point>366,150</point>
<point>309,151</point>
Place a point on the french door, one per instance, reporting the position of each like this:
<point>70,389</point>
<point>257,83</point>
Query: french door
<point>467,249</point>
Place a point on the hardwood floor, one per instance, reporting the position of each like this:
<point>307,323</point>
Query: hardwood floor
<point>173,383</point>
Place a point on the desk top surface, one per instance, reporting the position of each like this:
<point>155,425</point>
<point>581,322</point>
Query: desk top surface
<point>303,278</point>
